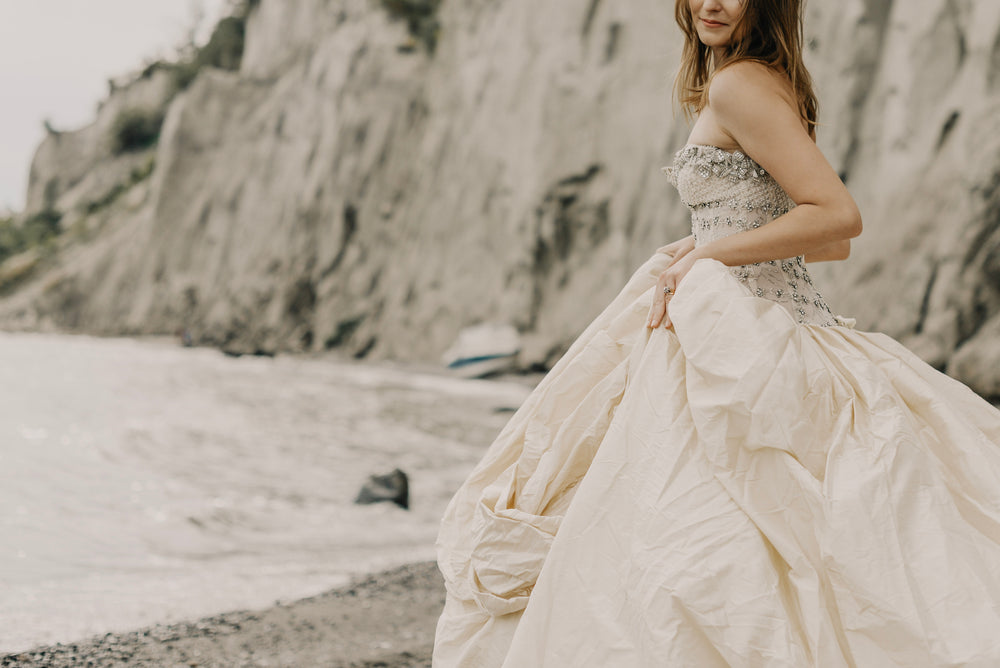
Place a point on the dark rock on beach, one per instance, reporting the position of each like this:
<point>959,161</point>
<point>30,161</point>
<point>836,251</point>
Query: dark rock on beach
<point>394,486</point>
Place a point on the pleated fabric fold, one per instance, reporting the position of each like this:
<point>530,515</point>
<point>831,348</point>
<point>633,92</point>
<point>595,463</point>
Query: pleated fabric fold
<point>740,490</point>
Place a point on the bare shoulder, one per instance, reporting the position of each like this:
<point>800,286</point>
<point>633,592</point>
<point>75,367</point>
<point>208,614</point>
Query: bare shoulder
<point>747,82</point>
<point>755,106</point>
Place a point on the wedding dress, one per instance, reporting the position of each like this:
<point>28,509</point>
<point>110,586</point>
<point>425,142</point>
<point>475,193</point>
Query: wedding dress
<point>761,485</point>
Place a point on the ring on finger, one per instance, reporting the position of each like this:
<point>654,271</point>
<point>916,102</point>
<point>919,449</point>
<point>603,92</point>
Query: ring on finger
<point>667,291</point>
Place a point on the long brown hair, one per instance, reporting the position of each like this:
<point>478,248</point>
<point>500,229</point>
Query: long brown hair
<point>770,32</point>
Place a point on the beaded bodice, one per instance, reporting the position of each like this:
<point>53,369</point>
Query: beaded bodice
<point>727,192</point>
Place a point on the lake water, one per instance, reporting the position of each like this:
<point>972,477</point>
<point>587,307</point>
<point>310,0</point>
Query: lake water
<point>143,482</point>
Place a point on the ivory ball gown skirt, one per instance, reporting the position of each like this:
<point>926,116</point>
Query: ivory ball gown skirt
<point>760,485</point>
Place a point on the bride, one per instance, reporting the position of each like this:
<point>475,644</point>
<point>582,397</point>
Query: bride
<point>721,472</point>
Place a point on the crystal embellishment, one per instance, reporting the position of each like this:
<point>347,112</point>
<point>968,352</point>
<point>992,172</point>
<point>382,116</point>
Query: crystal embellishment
<point>728,193</point>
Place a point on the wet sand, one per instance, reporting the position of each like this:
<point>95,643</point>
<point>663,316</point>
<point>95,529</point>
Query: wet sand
<point>385,620</point>
<point>146,483</point>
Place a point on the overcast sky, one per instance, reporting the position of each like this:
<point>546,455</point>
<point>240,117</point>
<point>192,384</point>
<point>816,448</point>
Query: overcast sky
<point>56,57</point>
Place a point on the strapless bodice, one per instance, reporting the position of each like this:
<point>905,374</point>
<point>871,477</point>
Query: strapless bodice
<point>727,192</point>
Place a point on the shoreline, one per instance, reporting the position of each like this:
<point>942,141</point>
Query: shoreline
<point>203,509</point>
<point>383,620</point>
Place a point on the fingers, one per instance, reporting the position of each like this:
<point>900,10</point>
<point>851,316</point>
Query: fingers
<point>664,291</point>
<point>658,316</point>
<point>656,311</point>
<point>655,316</point>
<point>661,316</point>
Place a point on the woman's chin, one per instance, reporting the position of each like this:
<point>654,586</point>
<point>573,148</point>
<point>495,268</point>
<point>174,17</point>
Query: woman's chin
<point>713,41</point>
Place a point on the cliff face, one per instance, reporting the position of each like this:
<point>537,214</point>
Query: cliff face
<point>348,189</point>
<point>912,92</point>
<point>73,169</point>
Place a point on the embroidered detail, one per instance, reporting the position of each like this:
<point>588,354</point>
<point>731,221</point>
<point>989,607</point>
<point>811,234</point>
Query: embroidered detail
<point>728,193</point>
<point>711,161</point>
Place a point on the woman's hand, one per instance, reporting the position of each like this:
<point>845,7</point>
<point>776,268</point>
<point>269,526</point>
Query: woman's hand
<point>679,248</point>
<point>666,286</point>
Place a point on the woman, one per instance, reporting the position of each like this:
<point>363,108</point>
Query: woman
<point>732,475</point>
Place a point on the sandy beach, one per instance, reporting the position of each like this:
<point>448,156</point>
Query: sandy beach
<point>385,620</point>
<point>150,484</point>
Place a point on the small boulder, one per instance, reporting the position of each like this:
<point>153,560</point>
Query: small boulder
<point>394,486</point>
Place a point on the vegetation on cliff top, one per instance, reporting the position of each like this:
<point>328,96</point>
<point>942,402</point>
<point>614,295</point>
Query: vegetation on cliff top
<point>224,51</point>
<point>135,129</point>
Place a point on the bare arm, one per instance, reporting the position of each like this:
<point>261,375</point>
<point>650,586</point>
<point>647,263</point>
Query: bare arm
<point>751,106</point>
<point>838,250</point>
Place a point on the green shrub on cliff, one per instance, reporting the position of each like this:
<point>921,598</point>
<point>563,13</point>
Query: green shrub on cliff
<point>10,238</point>
<point>224,49</point>
<point>41,227</point>
<point>35,231</point>
<point>137,175</point>
<point>420,18</point>
<point>135,129</point>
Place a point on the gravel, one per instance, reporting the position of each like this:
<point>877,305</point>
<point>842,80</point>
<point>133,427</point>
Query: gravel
<point>385,620</point>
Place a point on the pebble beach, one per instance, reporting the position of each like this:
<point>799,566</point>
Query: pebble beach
<point>384,620</point>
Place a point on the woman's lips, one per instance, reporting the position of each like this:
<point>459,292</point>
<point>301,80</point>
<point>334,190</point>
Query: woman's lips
<point>712,24</point>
